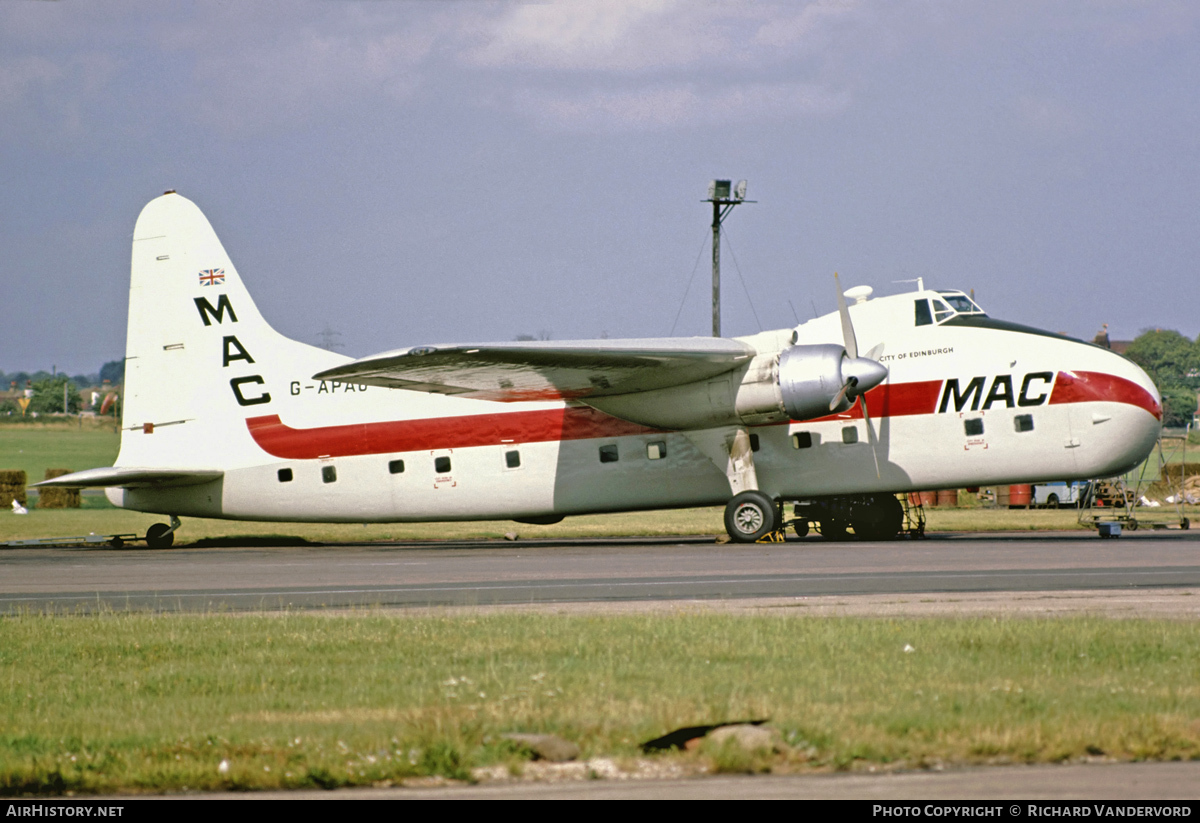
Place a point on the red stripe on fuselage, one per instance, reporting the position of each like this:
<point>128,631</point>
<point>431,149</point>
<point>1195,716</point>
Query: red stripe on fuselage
<point>583,423</point>
<point>280,440</point>
<point>1093,386</point>
<point>899,400</point>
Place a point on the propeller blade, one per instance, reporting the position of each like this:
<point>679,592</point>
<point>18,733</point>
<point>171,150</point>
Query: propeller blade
<point>841,395</point>
<point>862,398</point>
<point>847,326</point>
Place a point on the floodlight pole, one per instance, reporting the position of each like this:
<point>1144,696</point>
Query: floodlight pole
<point>723,199</point>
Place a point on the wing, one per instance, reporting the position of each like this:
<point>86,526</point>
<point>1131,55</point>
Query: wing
<point>131,478</point>
<point>547,370</point>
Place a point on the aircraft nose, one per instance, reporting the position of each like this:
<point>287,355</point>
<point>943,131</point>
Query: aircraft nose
<point>1120,411</point>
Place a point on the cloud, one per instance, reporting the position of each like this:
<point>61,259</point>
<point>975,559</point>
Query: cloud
<point>672,105</point>
<point>283,77</point>
<point>606,35</point>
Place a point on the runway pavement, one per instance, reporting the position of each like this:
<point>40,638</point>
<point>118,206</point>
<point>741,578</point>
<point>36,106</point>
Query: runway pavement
<point>612,571</point>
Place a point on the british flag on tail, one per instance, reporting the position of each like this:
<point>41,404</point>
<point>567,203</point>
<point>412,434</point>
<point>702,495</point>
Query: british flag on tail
<point>212,277</point>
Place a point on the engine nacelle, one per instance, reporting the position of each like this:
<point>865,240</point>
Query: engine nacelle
<point>810,377</point>
<point>797,383</point>
<point>802,382</point>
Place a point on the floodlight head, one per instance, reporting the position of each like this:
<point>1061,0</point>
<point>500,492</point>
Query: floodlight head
<point>740,191</point>
<point>719,190</point>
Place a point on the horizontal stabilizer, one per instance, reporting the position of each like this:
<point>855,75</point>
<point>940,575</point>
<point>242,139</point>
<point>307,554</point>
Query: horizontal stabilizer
<point>130,477</point>
<point>547,370</point>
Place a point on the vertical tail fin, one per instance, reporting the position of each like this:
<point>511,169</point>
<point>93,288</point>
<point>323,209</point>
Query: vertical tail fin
<point>199,356</point>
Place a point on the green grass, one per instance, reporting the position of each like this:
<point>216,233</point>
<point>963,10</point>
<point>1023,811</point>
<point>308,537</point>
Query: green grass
<point>135,702</point>
<point>35,447</point>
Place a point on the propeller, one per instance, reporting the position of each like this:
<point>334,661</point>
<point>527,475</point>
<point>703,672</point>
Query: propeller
<point>861,374</point>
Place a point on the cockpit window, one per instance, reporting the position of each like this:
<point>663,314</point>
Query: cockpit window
<point>940,310</point>
<point>961,303</point>
<point>924,318</point>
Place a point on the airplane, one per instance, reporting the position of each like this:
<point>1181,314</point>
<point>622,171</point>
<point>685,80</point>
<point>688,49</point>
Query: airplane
<point>226,418</point>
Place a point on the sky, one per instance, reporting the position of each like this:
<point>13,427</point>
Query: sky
<point>399,173</point>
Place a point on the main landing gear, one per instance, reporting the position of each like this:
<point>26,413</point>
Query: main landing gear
<point>752,516</point>
<point>160,535</point>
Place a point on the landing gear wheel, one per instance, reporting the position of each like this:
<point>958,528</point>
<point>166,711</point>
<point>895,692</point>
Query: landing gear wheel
<point>1132,525</point>
<point>882,519</point>
<point>749,516</point>
<point>160,536</point>
<point>832,529</point>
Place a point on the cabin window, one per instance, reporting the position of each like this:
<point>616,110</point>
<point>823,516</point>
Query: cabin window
<point>329,474</point>
<point>441,465</point>
<point>608,454</point>
<point>512,459</point>
<point>1023,422</point>
<point>850,434</point>
<point>802,440</point>
<point>924,318</point>
<point>285,475</point>
<point>754,444</point>
<point>973,426</point>
<point>396,466</point>
<point>656,450</point>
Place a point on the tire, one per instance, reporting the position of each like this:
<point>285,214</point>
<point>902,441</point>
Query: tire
<point>1052,501</point>
<point>1132,526</point>
<point>1185,524</point>
<point>159,536</point>
<point>833,529</point>
<point>750,516</point>
<point>801,528</point>
<point>882,519</point>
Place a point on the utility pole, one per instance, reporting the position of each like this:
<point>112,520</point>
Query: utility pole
<point>723,197</point>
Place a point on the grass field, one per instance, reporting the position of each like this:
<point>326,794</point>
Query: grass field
<point>135,702</point>
<point>36,447</point>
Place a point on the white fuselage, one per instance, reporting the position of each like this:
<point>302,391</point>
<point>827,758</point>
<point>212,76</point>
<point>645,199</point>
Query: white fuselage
<point>963,405</point>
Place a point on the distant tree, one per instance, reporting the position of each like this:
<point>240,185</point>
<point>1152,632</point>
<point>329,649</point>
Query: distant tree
<point>113,371</point>
<point>48,395</point>
<point>1167,356</point>
<point>1173,363</point>
<point>1179,405</point>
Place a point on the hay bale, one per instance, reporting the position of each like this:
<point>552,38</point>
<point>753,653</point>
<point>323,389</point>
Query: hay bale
<point>56,498</point>
<point>12,487</point>
<point>1173,471</point>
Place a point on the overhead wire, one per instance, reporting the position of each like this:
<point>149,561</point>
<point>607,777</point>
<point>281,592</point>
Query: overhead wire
<point>682,302</point>
<point>738,269</point>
